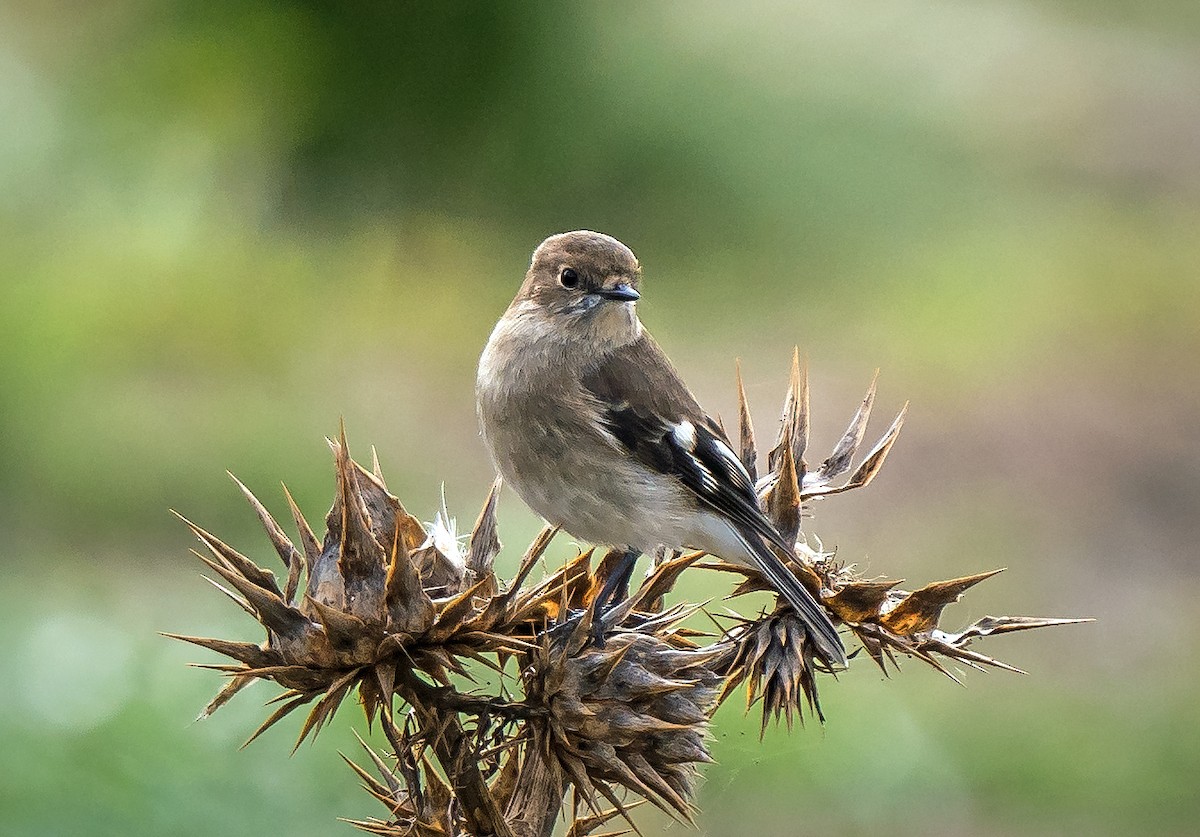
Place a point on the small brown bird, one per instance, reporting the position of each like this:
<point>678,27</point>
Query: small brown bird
<point>586,418</point>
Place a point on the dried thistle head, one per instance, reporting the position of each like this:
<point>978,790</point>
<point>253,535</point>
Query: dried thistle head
<point>776,660</point>
<point>632,713</point>
<point>381,595</point>
<point>773,654</point>
<point>613,704</point>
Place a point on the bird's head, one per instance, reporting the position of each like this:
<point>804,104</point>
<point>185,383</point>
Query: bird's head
<point>585,285</point>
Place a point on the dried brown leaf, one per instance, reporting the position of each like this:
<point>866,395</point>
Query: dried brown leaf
<point>919,611</point>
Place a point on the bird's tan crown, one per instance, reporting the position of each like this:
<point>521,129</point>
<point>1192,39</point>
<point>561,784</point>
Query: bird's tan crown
<point>591,253</point>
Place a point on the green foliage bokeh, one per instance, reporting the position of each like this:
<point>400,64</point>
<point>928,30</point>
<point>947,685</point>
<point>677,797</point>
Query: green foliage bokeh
<point>225,226</point>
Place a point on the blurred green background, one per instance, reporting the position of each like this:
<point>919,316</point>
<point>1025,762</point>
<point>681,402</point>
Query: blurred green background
<point>227,225</point>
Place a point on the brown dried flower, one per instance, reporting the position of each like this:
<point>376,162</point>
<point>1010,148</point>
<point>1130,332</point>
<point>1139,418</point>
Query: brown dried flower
<point>632,713</point>
<point>613,705</point>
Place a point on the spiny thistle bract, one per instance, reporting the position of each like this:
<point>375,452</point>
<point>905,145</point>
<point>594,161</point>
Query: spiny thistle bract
<point>614,704</point>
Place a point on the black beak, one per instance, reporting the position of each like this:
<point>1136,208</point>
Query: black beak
<point>620,293</point>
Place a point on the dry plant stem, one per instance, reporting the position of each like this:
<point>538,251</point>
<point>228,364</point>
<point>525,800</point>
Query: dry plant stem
<point>534,808</point>
<point>391,609</point>
<point>535,805</point>
<point>452,746</point>
<point>450,700</point>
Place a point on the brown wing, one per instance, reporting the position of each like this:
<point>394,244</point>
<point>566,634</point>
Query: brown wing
<point>642,377</point>
<point>643,402</point>
<point>648,409</point>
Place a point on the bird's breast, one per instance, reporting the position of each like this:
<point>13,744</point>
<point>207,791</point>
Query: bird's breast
<point>573,473</point>
<point>545,437</point>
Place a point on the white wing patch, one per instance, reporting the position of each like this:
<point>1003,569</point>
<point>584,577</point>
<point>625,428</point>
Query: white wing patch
<point>685,435</point>
<point>729,456</point>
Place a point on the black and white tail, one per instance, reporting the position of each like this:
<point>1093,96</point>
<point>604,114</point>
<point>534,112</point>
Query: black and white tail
<point>820,629</point>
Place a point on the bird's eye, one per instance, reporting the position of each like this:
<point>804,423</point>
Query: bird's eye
<point>568,278</point>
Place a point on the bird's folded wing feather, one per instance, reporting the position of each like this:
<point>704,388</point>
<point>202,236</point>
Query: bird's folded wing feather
<point>649,410</point>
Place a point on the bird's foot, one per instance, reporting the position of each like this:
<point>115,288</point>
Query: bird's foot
<point>564,630</point>
<point>612,594</point>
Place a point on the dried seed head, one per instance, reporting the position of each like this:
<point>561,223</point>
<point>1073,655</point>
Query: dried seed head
<point>632,714</point>
<point>615,702</point>
<point>381,593</point>
<point>775,658</point>
<point>772,653</point>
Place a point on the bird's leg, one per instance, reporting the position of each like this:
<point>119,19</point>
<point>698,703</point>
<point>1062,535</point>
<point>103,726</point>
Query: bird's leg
<point>614,591</point>
<point>616,586</point>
